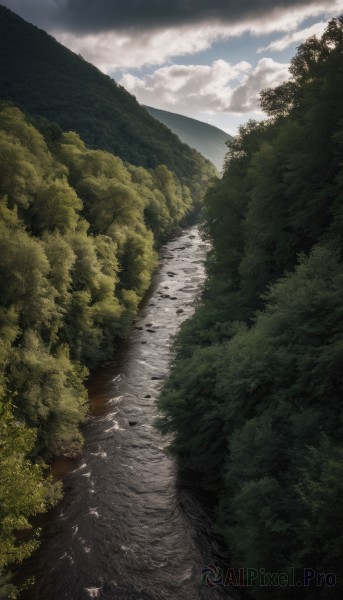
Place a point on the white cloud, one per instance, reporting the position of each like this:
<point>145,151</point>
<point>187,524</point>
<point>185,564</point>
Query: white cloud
<point>108,15</point>
<point>297,36</point>
<point>268,73</point>
<point>220,87</point>
<point>135,48</point>
<point>111,51</point>
<point>291,17</point>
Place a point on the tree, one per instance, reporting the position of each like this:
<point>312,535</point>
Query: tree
<point>24,492</point>
<point>254,397</point>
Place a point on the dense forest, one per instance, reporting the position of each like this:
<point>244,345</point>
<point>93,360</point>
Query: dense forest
<point>79,233</point>
<point>45,79</point>
<point>254,399</point>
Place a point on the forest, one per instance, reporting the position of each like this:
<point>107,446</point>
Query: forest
<point>79,234</point>
<point>254,399</point>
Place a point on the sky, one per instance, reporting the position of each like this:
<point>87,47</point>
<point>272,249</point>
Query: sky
<point>207,59</point>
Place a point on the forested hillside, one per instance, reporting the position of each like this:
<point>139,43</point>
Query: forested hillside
<point>210,141</point>
<point>81,217</point>
<point>255,395</point>
<point>46,79</point>
<point>79,230</point>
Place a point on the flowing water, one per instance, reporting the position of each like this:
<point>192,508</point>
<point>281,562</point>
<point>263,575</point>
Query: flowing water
<point>127,528</point>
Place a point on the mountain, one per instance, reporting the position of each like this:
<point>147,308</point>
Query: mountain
<point>45,79</point>
<point>205,138</point>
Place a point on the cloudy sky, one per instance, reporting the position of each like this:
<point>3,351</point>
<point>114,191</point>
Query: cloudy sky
<point>207,59</point>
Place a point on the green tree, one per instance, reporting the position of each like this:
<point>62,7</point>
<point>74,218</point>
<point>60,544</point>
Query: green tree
<point>254,398</point>
<point>24,492</point>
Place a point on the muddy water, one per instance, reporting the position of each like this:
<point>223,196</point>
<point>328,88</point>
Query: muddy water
<point>127,528</point>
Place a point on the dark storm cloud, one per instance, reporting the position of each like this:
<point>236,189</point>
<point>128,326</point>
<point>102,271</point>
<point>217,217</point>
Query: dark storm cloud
<point>85,16</point>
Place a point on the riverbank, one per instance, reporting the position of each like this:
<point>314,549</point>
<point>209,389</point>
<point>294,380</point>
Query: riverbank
<point>123,530</point>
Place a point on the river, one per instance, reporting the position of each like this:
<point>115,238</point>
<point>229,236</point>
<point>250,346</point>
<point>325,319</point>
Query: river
<point>127,528</point>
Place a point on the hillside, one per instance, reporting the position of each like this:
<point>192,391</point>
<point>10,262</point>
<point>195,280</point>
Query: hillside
<point>45,79</point>
<point>78,235</point>
<point>254,399</point>
<point>207,139</point>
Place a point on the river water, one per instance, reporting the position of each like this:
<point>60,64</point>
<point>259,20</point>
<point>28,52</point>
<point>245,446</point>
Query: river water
<point>127,528</point>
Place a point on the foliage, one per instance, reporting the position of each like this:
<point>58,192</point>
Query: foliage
<point>254,399</point>
<point>24,492</point>
<point>79,233</point>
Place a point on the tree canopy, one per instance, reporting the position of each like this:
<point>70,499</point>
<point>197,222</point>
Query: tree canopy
<point>79,234</point>
<point>254,399</point>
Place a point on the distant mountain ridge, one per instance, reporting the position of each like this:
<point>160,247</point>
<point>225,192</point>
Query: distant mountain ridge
<point>45,79</point>
<point>209,140</point>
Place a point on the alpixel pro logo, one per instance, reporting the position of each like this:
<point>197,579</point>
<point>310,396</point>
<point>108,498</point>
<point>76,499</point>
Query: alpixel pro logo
<point>212,575</point>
